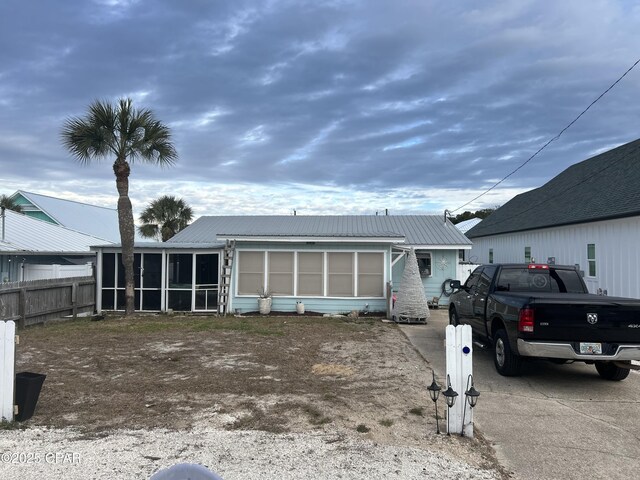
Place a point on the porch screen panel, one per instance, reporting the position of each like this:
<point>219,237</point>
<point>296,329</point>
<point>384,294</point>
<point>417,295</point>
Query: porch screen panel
<point>370,274</point>
<point>108,270</point>
<point>340,274</point>
<point>310,273</point>
<point>280,273</point>
<point>250,272</point>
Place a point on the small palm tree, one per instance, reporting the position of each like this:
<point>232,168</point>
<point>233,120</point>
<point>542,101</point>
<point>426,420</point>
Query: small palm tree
<point>164,217</point>
<point>130,135</point>
<point>10,204</point>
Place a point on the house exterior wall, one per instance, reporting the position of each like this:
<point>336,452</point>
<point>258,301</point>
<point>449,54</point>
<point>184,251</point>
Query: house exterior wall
<point>443,266</point>
<point>30,210</point>
<point>616,243</point>
<point>249,303</point>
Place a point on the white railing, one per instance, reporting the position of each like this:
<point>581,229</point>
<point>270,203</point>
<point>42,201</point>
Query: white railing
<point>7,369</point>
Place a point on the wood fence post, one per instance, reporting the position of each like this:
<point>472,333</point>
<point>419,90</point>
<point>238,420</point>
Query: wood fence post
<point>23,308</point>
<point>74,299</point>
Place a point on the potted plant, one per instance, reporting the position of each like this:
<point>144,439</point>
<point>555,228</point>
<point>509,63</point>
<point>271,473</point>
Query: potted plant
<point>264,301</point>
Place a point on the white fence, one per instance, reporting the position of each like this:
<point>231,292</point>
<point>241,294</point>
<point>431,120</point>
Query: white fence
<point>464,270</point>
<point>43,272</point>
<point>7,369</point>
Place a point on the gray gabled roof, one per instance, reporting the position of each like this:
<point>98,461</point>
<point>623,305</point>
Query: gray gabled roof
<point>405,229</point>
<point>101,222</point>
<point>603,187</point>
<point>23,233</point>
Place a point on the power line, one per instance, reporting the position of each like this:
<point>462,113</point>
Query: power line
<point>553,139</point>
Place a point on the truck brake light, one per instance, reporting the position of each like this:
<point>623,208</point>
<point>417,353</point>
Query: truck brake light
<point>526,320</point>
<point>538,266</point>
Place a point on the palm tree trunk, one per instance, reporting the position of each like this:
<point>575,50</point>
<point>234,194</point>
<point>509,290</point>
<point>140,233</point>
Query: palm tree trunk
<point>125,219</point>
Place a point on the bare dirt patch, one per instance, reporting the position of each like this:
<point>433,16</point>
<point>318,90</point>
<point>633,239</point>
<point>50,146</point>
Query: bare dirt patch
<point>352,377</point>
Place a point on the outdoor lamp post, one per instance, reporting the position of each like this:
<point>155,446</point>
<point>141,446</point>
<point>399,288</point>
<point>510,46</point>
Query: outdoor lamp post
<point>450,394</point>
<point>471,397</point>
<point>434,393</point>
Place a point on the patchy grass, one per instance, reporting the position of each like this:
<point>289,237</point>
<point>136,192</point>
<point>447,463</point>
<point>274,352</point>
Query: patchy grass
<point>418,411</point>
<point>386,422</point>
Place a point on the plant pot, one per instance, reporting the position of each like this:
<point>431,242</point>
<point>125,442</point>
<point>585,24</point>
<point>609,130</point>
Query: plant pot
<point>264,305</point>
<point>300,308</point>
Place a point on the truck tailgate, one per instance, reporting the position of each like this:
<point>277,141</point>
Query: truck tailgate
<point>586,318</point>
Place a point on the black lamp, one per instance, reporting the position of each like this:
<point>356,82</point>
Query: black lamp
<point>471,397</point>
<point>450,394</point>
<point>434,393</point>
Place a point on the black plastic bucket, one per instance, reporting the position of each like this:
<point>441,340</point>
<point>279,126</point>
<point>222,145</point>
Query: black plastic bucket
<point>28,386</point>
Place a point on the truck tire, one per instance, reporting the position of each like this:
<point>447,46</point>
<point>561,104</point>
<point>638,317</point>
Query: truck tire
<point>610,371</point>
<point>507,363</point>
<point>453,317</point>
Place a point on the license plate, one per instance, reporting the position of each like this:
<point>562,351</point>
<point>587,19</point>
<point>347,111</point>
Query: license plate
<point>591,348</point>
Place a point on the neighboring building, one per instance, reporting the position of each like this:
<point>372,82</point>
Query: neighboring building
<point>466,225</point>
<point>31,249</point>
<point>589,215</point>
<point>330,263</point>
<point>100,222</point>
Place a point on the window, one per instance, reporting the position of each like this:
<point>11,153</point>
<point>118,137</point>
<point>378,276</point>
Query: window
<point>485,280</point>
<point>424,263</point>
<point>514,279</point>
<point>340,274</point>
<point>472,280</point>
<point>250,272</point>
<point>591,259</point>
<point>527,254</point>
<point>311,273</point>
<point>370,274</point>
<point>491,255</point>
<point>280,273</point>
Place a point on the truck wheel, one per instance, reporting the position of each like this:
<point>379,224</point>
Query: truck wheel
<point>507,363</point>
<point>453,317</point>
<point>610,371</point>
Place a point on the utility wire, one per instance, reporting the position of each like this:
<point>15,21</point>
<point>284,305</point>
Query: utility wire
<point>553,139</point>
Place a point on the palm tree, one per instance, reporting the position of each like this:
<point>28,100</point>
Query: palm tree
<point>164,217</point>
<point>9,203</point>
<point>130,135</point>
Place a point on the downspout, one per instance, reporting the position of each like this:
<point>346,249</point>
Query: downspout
<point>3,217</point>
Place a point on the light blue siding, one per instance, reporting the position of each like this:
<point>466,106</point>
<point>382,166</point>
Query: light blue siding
<point>244,304</point>
<point>440,273</point>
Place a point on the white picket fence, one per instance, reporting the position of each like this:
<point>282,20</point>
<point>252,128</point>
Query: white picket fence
<point>7,369</point>
<point>43,272</point>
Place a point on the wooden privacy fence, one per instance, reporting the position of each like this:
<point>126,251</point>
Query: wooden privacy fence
<point>37,301</point>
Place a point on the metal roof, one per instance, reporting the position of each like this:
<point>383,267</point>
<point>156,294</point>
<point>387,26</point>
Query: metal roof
<point>413,229</point>
<point>23,233</point>
<point>603,187</point>
<point>165,245</point>
<point>100,222</point>
<point>465,225</point>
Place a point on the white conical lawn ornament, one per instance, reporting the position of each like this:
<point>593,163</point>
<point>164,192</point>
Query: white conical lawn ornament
<point>411,303</point>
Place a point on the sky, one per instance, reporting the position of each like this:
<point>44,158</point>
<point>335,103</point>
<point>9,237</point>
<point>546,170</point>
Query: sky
<point>323,107</point>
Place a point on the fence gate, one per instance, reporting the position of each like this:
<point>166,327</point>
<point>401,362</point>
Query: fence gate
<point>7,369</point>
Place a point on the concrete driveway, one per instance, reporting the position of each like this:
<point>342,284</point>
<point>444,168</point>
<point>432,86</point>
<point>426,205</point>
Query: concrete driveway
<point>555,421</point>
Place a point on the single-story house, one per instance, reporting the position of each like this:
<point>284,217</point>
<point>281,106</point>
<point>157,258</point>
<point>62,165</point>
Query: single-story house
<point>588,215</point>
<point>31,249</point>
<point>330,263</point>
<point>100,222</point>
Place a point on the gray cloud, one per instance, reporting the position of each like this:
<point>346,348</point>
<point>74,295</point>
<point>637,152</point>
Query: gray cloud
<point>367,96</point>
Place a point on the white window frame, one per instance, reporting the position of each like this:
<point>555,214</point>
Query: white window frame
<point>385,276</point>
<point>425,252</point>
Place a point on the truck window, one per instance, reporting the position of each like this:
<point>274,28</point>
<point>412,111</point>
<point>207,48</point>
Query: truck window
<point>473,279</point>
<point>485,280</point>
<point>522,279</point>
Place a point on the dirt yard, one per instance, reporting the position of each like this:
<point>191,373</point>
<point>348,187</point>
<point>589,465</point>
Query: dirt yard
<point>352,377</point>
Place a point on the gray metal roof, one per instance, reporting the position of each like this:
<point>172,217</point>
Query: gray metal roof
<point>23,233</point>
<point>100,222</point>
<point>466,225</point>
<point>168,246</point>
<point>414,229</point>
<point>603,187</point>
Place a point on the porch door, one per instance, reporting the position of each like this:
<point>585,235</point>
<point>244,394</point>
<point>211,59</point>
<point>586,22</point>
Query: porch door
<point>207,275</point>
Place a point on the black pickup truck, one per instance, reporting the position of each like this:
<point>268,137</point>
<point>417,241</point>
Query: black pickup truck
<point>533,310</point>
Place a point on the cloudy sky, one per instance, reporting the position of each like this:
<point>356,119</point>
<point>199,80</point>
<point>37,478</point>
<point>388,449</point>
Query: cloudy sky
<point>339,106</point>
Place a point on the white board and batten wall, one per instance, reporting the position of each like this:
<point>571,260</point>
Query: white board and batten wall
<point>617,251</point>
<point>44,272</point>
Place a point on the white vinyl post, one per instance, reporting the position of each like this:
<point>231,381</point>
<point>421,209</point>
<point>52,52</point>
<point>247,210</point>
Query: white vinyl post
<point>459,355</point>
<point>7,369</point>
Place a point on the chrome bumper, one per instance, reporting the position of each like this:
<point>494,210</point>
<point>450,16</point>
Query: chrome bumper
<point>566,351</point>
